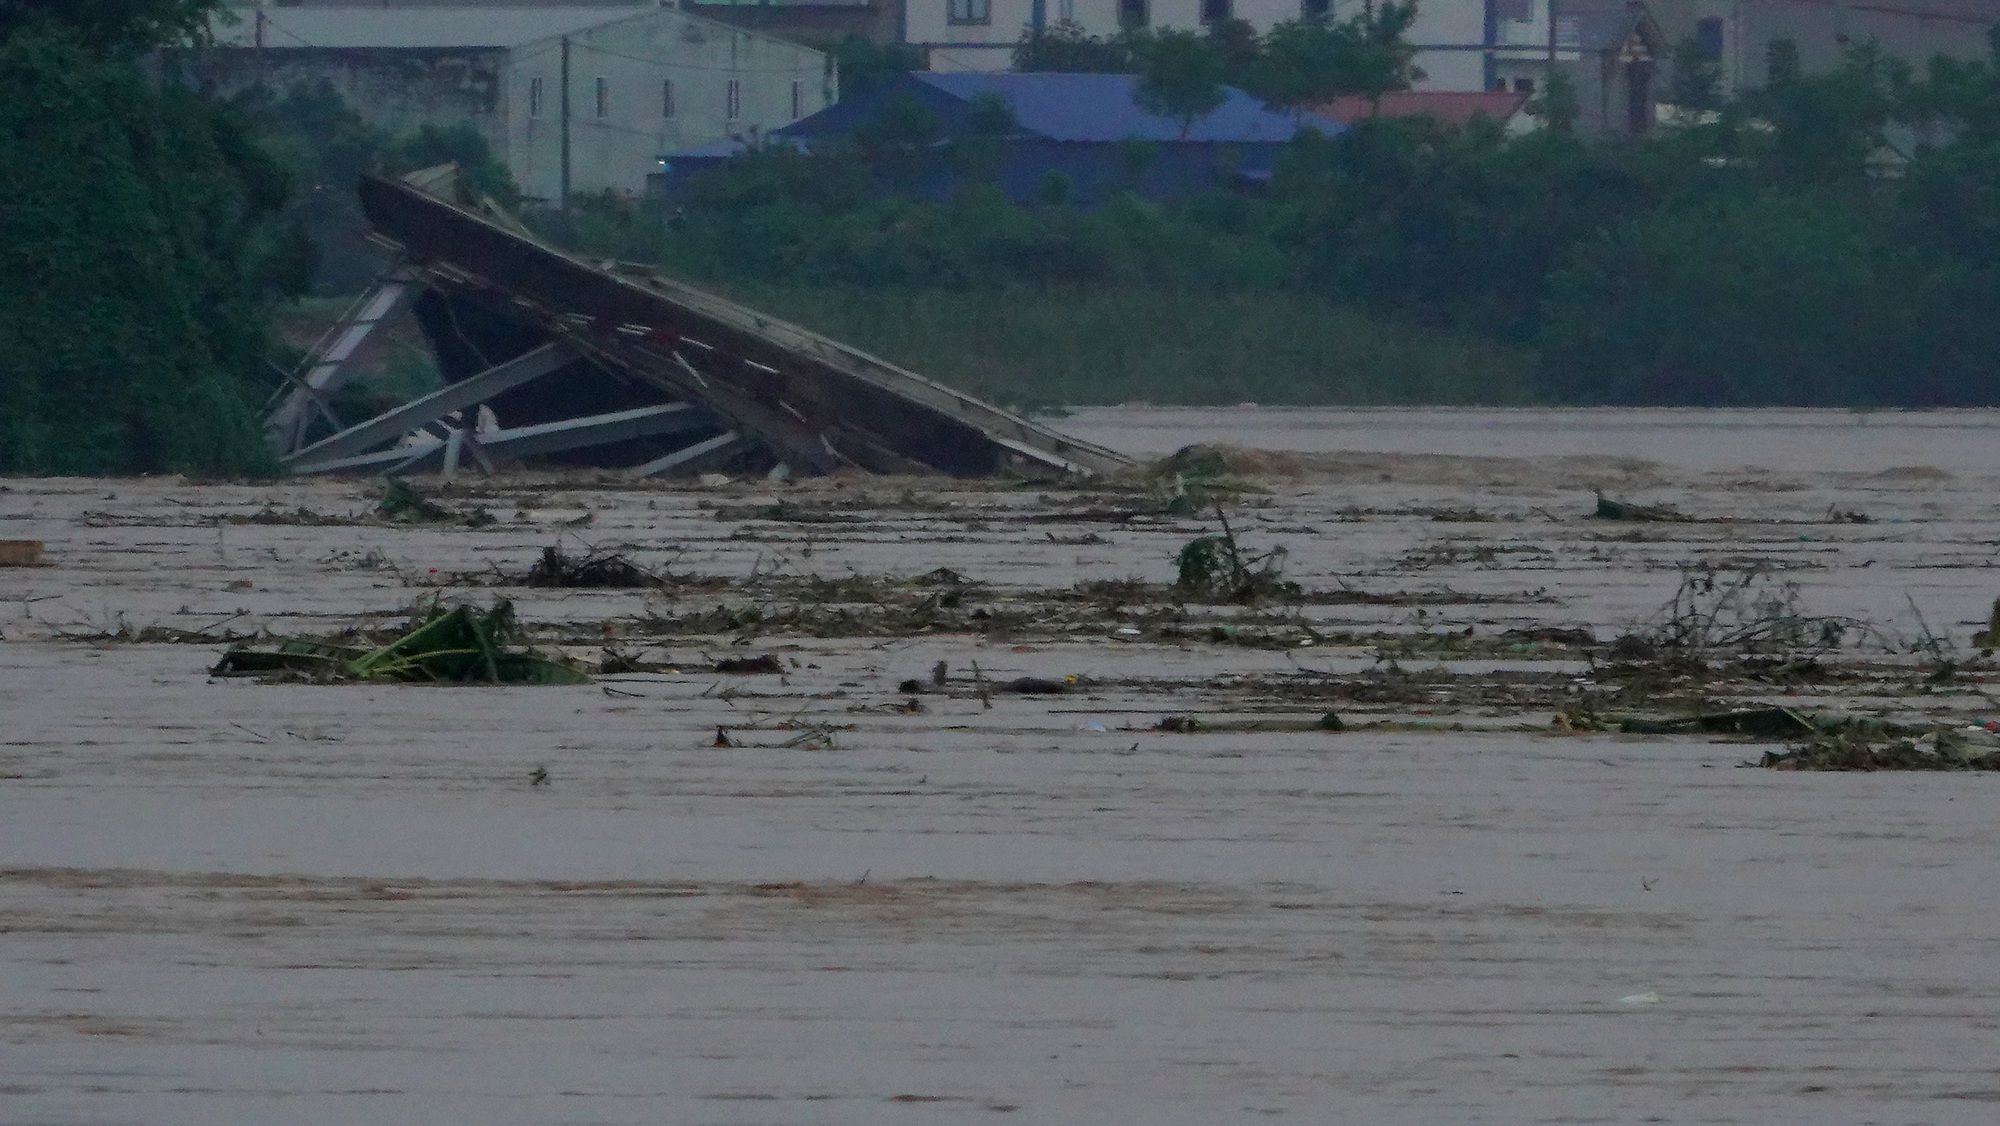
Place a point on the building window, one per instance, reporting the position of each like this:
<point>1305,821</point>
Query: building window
<point>1132,13</point>
<point>798,99</point>
<point>1215,11</point>
<point>666,97</point>
<point>733,93</point>
<point>1315,9</point>
<point>1708,33</point>
<point>970,11</point>
<point>534,97</point>
<point>603,96</point>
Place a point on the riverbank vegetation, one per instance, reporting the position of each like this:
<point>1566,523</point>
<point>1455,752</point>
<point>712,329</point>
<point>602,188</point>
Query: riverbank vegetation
<point>141,251</point>
<point>1772,249</point>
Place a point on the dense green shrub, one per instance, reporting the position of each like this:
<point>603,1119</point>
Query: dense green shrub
<point>1769,250</point>
<point>140,261</point>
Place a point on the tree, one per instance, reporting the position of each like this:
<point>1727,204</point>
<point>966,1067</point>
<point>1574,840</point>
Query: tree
<point>1180,76</point>
<point>1825,127</point>
<point>900,142</point>
<point>1238,44</point>
<point>1781,62</point>
<point>1303,63</point>
<point>115,26</point>
<point>863,63</point>
<point>1066,48</point>
<point>146,220</point>
<point>1557,104</point>
<point>1784,299</point>
<point>1386,61</point>
<point>979,151</point>
<point>1695,84</point>
<point>1308,62</point>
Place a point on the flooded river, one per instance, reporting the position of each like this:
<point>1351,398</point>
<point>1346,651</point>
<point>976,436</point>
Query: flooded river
<point>818,896</point>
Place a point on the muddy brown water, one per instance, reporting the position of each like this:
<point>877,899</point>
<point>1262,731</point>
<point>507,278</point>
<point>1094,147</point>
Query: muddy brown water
<point>230,902</point>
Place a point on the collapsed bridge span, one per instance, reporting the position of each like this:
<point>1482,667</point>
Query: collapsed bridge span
<point>644,372</point>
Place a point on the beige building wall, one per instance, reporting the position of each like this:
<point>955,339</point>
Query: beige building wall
<point>645,86</point>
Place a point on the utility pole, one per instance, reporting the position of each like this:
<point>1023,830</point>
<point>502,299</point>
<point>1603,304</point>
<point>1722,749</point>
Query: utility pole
<point>565,123</point>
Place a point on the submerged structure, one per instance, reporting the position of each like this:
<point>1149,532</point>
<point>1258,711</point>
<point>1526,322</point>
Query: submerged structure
<point>644,373</point>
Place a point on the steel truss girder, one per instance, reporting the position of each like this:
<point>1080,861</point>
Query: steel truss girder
<point>528,441</point>
<point>392,424</point>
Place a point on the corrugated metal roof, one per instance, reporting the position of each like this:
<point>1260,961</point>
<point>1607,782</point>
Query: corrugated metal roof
<point>411,28</point>
<point>1100,107</point>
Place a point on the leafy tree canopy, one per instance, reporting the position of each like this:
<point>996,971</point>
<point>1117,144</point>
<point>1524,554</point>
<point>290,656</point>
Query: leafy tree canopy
<point>1180,76</point>
<point>115,25</point>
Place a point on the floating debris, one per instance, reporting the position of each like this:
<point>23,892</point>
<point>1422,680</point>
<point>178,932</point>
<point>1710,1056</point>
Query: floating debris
<point>764,663</point>
<point>596,569</point>
<point>1859,749</point>
<point>1988,639</point>
<point>1215,567</point>
<point>1610,509</point>
<point>455,646</point>
<point>1551,635</point>
<point>1756,723</point>
<point>21,553</point>
<point>1035,686</point>
<point>404,503</point>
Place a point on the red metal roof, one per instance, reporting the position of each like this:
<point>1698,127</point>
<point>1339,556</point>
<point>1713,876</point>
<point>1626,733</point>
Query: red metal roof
<point>1449,107</point>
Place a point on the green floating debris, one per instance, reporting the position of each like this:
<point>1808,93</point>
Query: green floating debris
<point>1216,568</point>
<point>455,646</point>
<point>402,503</point>
<point>1610,509</point>
<point>1859,749</point>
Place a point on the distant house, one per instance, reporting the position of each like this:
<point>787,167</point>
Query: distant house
<point>808,21</point>
<point>1614,53</point>
<point>569,97</point>
<point>1738,35</point>
<point>1086,127</point>
<point>1621,69</point>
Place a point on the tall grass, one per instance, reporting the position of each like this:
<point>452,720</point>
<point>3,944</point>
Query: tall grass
<point>1085,347</point>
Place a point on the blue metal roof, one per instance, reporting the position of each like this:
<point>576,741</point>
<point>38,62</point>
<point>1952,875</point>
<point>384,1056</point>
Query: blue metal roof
<point>1078,108</point>
<point>1101,107</point>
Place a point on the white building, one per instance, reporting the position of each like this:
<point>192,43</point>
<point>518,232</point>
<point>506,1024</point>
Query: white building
<point>568,97</point>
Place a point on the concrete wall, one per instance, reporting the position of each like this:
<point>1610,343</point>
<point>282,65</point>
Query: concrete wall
<point>618,149</point>
<point>397,90</point>
<point>401,89</point>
